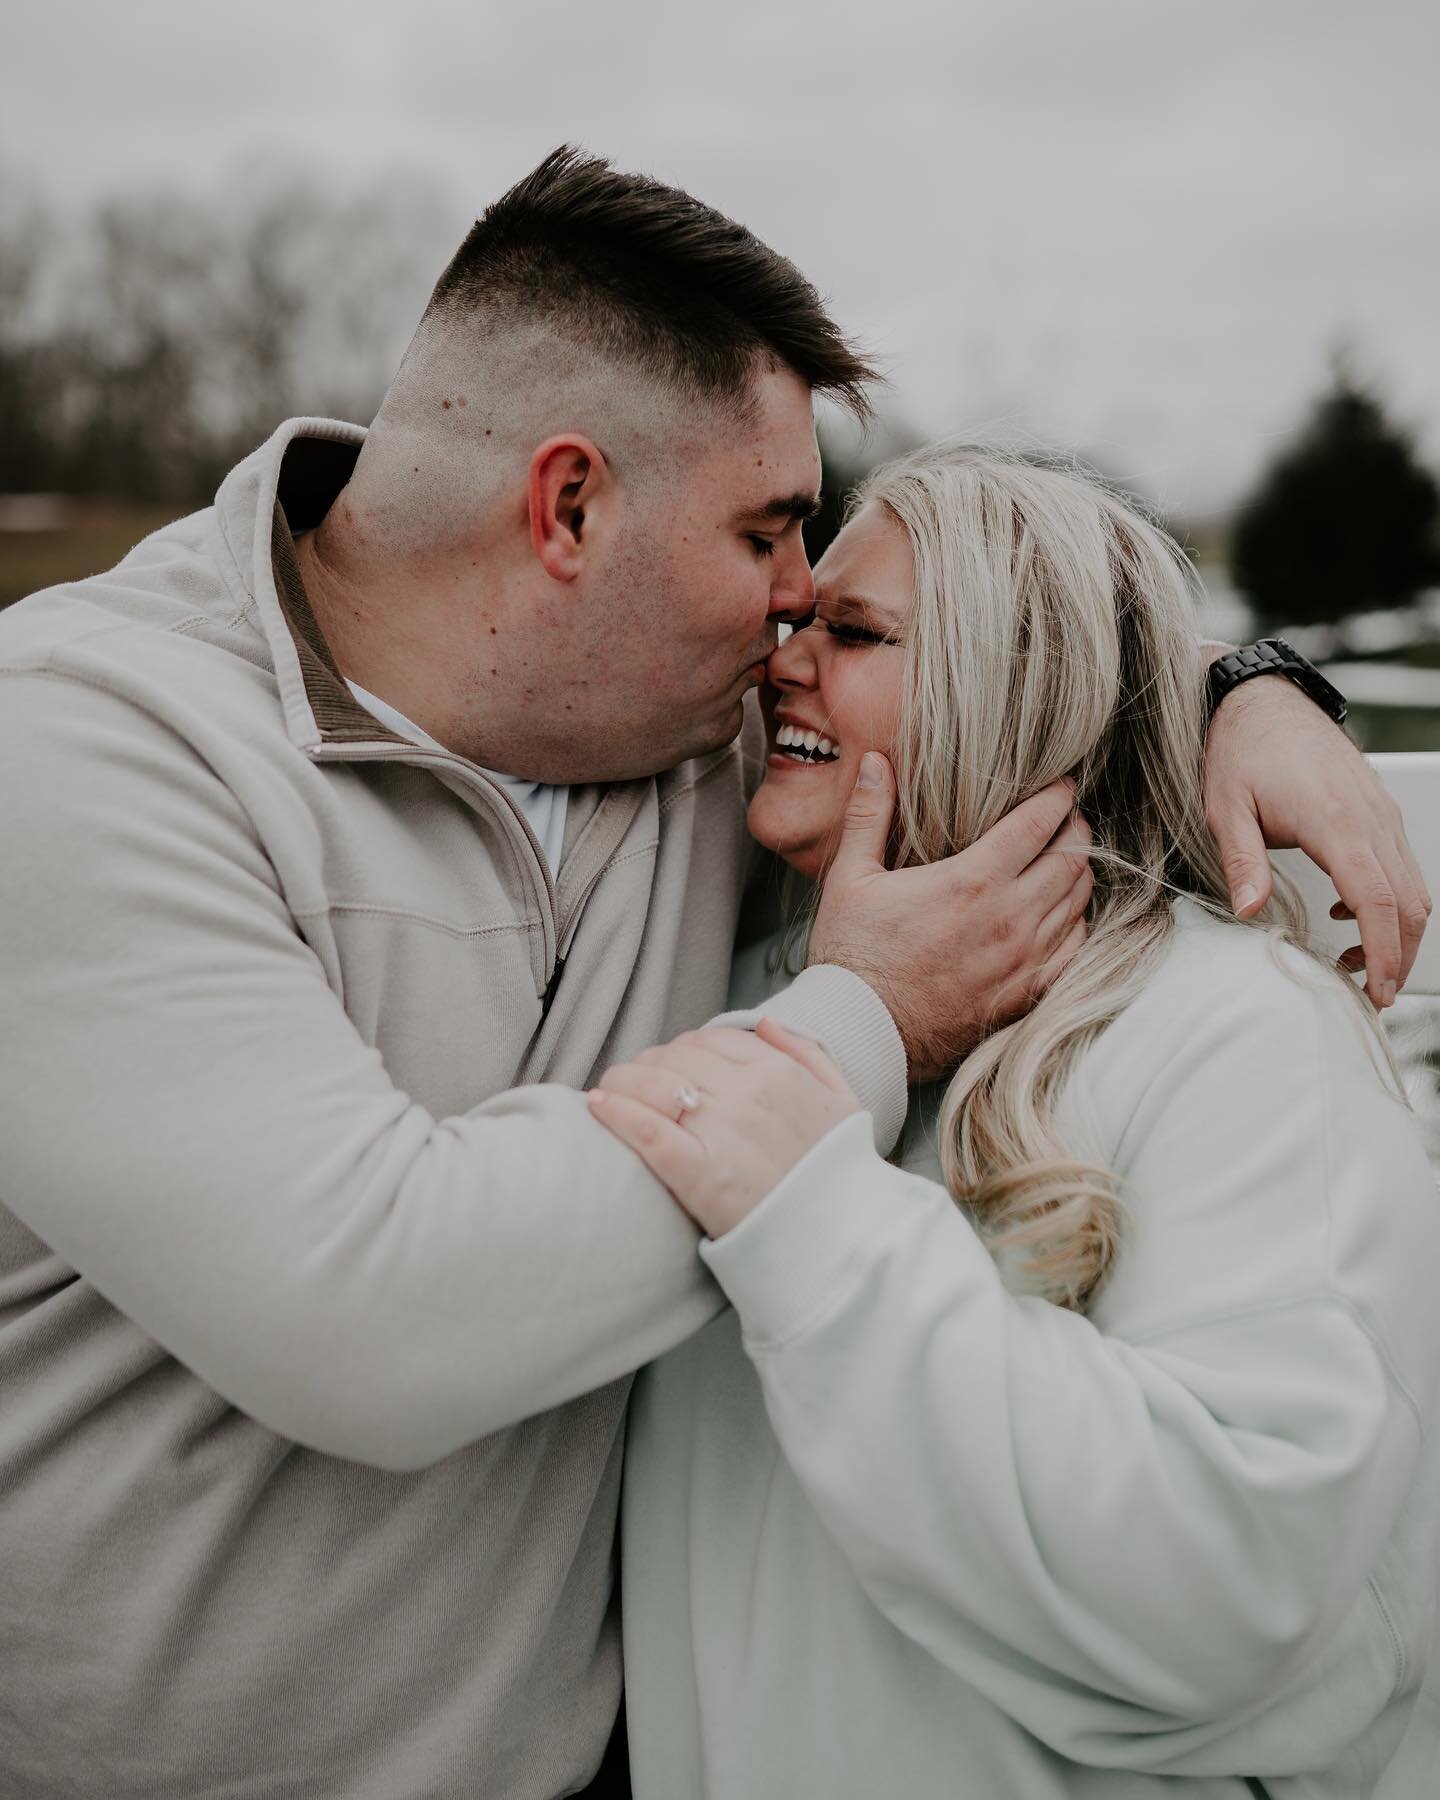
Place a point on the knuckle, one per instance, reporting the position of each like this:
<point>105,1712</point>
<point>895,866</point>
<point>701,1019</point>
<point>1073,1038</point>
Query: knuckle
<point>1040,828</point>
<point>1379,897</point>
<point>969,889</point>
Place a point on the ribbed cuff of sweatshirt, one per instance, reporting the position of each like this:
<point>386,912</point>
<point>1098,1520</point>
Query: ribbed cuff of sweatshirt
<point>786,1263</point>
<point>851,1023</point>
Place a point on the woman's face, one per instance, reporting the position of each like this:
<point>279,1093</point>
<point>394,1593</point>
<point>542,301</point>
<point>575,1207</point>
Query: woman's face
<point>839,680</point>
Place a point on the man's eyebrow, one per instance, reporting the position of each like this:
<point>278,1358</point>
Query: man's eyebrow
<point>788,506</point>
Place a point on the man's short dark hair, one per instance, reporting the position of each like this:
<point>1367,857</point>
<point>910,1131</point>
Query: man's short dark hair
<point>647,274</point>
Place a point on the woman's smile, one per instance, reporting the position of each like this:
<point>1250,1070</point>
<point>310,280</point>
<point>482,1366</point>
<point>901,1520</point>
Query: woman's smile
<point>801,745</point>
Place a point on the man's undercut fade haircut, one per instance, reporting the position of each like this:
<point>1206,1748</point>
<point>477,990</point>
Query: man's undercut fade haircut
<point>645,274</point>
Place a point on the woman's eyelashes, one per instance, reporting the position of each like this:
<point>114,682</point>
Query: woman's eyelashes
<point>844,630</point>
<point>847,633</point>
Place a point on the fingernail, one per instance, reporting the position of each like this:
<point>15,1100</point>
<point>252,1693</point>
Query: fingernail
<point>869,771</point>
<point>1387,993</point>
<point>595,1096</point>
<point>1245,896</point>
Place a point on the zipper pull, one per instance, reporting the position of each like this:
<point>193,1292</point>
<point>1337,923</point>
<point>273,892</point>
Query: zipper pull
<point>551,986</point>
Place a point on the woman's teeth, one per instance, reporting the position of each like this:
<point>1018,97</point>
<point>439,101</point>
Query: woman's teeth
<point>805,746</point>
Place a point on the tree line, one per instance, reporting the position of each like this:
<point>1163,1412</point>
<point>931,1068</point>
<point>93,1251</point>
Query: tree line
<point>147,346</point>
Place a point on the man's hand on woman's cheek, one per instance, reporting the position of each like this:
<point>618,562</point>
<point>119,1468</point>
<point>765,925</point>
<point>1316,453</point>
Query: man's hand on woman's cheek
<point>1279,773</point>
<point>959,947</point>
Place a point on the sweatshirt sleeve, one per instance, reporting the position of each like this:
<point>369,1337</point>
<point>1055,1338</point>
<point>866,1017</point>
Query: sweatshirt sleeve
<point>193,1123</point>
<point>849,1020</point>
<point>1141,1532</point>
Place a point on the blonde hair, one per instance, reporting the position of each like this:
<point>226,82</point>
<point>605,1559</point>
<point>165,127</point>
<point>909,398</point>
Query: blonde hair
<point>1053,633</point>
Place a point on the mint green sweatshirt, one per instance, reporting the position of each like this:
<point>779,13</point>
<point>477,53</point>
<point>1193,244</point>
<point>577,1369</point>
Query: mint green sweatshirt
<point>893,1529</point>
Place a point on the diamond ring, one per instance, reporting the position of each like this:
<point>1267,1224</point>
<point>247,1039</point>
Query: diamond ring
<point>686,1100</point>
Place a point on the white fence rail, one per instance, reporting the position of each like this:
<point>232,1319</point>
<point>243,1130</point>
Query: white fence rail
<point>1413,777</point>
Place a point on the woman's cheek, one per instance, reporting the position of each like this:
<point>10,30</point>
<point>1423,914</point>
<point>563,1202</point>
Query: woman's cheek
<point>877,716</point>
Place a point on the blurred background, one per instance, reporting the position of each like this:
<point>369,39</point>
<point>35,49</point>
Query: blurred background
<point>1195,243</point>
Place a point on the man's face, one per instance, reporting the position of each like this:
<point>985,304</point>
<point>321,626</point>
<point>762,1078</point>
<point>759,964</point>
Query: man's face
<point>698,585</point>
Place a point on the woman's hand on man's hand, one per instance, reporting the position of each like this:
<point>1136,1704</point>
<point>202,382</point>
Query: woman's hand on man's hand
<point>722,1116</point>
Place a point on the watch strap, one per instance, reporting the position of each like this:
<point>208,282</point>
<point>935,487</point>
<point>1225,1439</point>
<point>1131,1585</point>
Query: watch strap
<point>1273,656</point>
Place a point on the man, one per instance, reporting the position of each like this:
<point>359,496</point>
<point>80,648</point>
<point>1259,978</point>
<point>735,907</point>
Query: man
<point>335,818</point>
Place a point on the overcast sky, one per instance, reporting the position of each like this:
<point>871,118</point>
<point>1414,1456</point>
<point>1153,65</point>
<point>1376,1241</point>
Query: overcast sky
<point>1132,226</point>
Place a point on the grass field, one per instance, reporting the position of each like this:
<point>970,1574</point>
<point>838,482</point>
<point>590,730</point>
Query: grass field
<point>1396,727</point>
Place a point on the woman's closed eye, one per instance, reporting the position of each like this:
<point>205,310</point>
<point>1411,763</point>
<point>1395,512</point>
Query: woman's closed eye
<point>850,634</point>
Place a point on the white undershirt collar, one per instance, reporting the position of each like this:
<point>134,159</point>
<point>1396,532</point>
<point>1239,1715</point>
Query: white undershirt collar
<point>543,805</point>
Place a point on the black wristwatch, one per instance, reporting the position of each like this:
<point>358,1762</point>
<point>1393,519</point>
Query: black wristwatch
<point>1273,656</point>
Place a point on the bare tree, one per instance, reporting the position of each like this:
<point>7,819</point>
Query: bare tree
<point>144,352</point>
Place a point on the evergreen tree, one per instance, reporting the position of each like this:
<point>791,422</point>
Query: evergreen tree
<point>1345,521</point>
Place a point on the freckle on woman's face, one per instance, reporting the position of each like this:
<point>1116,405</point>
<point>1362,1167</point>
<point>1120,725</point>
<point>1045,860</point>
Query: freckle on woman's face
<point>835,678</point>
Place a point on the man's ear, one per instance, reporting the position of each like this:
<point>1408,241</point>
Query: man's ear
<point>568,477</point>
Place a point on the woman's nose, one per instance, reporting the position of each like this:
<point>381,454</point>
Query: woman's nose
<point>791,664</point>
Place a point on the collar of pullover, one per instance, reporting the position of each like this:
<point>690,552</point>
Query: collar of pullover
<point>339,717</point>
<point>286,486</point>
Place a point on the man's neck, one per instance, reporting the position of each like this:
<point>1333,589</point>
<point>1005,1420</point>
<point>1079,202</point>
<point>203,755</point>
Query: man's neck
<point>378,630</point>
<point>450,643</point>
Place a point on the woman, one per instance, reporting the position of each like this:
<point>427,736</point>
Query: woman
<point>1093,1449</point>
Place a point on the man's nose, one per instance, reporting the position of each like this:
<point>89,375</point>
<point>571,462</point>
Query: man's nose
<point>792,593</point>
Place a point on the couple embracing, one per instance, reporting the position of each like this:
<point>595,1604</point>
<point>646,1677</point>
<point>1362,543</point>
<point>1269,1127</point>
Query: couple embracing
<point>1020,1234</point>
